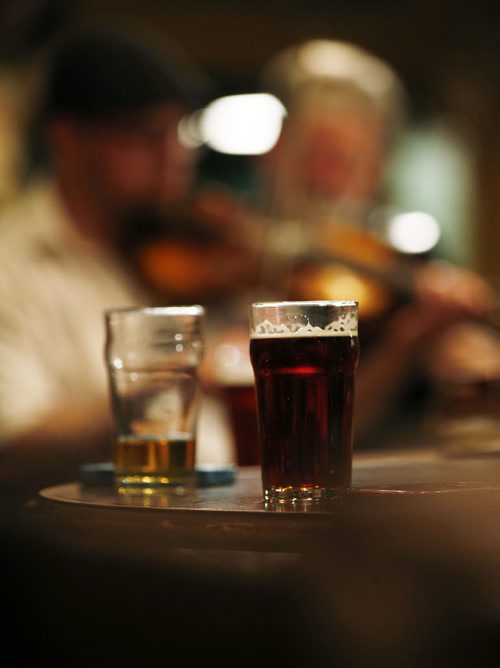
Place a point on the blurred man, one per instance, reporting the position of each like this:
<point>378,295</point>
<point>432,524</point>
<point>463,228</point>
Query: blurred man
<point>111,110</point>
<point>324,182</point>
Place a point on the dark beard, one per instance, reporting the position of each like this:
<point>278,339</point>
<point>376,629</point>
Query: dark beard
<point>146,224</point>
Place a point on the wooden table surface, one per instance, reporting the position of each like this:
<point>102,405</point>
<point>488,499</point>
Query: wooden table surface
<point>235,517</point>
<point>402,569</point>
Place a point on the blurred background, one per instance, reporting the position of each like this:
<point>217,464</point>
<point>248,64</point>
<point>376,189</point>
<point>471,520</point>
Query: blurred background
<point>435,194</point>
<point>447,55</point>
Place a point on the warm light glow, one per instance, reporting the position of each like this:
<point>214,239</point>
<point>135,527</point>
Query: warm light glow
<point>242,124</point>
<point>227,355</point>
<point>232,365</point>
<point>338,282</point>
<point>414,232</point>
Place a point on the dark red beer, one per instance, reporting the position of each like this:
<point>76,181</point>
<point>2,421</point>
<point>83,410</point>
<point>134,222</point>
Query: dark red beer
<point>305,388</point>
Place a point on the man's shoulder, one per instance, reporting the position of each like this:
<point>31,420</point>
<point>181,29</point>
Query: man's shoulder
<point>24,218</point>
<point>28,239</point>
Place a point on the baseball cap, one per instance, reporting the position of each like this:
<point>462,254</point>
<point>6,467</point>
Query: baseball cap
<point>101,74</point>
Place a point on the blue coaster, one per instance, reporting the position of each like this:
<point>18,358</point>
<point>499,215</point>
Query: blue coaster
<point>102,473</point>
<point>97,473</point>
<point>212,476</point>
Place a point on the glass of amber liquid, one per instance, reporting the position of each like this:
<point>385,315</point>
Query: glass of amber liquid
<point>304,357</point>
<point>153,357</point>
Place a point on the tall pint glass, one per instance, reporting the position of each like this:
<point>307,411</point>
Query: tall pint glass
<point>153,357</point>
<point>304,357</point>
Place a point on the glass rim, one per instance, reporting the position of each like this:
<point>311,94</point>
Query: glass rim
<point>309,302</point>
<point>183,310</point>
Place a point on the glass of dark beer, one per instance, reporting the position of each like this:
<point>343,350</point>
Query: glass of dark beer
<point>304,357</point>
<point>153,357</point>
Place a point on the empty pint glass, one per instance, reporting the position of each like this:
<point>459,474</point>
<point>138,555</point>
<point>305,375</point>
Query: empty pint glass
<point>153,356</point>
<point>304,356</point>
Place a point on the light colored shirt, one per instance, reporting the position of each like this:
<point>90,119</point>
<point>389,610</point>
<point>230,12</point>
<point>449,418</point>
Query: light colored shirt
<point>54,289</point>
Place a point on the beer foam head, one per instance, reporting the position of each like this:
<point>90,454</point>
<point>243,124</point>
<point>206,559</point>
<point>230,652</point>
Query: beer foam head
<point>300,319</point>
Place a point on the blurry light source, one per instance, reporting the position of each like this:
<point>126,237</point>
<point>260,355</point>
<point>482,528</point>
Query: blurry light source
<point>188,130</point>
<point>227,355</point>
<point>242,124</point>
<point>413,232</point>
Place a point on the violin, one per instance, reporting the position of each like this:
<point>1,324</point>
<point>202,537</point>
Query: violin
<point>191,253</point>
<point>214,248</point>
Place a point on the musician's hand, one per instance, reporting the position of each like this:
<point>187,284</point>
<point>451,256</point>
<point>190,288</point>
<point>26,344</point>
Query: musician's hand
<point>457,290</point>
<point>444,295</point>
<point>465,351</point>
